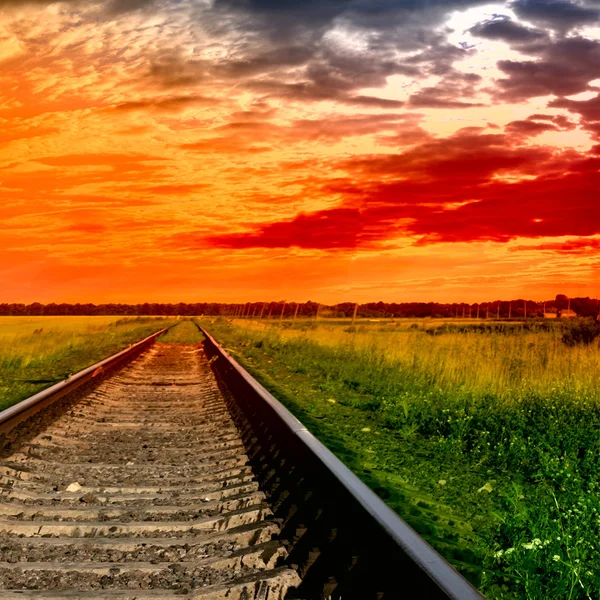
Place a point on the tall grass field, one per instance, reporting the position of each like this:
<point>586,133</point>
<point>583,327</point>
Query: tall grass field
<point>485,438</point>
<point>37,352</point>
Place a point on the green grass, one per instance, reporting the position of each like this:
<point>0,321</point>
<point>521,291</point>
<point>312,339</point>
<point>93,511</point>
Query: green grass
<point>486,442</point>
<point>37,352</point>
<point>185,332</point>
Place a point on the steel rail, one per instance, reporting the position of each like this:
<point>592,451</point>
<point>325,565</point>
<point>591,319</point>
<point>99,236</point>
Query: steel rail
<point>16,414</point>
<point>345,542</point>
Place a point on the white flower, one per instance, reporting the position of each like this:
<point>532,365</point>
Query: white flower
<point>556,558</point>
<point>528,546</point>
<point>499,553</point>
<point>509,551</point>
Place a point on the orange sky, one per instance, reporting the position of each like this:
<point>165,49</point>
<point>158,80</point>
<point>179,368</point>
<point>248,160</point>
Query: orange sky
<point>359,150</point>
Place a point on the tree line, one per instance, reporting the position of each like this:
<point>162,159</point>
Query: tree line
<point>503,309</point>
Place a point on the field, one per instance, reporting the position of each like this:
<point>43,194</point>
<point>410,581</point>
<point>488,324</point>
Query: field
<point>37,352</point>
<point>486,441</point>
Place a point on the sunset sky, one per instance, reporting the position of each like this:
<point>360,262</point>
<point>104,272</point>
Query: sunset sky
<point>340,150</point>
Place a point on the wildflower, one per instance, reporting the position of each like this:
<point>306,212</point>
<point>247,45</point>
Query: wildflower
<point>331,400</point>
<point>528,546</point>
<point>499,553</point>
<point>556,558</point>
<point>509,551</point>
<point>442,482</point>
<point>366,429</point>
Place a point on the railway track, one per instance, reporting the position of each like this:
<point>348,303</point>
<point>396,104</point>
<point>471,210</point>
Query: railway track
<point>181,476</point>
<point>141,489</point>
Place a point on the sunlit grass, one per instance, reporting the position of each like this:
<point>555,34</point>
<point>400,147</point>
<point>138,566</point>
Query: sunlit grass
<point>486,443</point>
<point>503,364</point>
<point>36,352</point>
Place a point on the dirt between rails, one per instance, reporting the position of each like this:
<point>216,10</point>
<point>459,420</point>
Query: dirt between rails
<point>70,515</point>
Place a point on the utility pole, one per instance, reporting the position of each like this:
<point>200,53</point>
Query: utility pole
<point>498,311</point>
<point>282,311</point>
<point>478,311</point>
<point>487,310</point>
<point>509,309</point>
<point>354,315</point>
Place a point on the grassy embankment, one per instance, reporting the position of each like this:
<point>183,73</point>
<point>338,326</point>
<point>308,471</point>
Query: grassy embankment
<point>487,443</point>
<point>37,352</point>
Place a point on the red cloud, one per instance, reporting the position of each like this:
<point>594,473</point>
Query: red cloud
<point>326,229</point>
<point>577,246</point>
<point>445,191</point>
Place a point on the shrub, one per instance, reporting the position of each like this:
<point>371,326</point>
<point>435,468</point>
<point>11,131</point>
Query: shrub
<point>580,331</point>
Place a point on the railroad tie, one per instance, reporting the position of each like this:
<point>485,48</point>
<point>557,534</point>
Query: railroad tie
<point>140,491</point>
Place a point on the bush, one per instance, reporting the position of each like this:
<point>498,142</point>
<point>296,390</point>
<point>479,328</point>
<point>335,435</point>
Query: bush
<point>580,331</point>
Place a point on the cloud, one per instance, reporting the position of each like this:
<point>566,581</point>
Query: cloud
<point>560,120</point>
<point>528,128</point>
<point>564,68</point>
<point>558,14</point>
<point>109,8</point>
<point>255,136</point>
<point>451,92</point>
<point>588,109</point>
<point>98,159</point>
<point>172,189</point>
<point>504,29</point>
<point>173,103</point>
<point>429,202</point>
<point>325,230</point>
<point>576,246</point>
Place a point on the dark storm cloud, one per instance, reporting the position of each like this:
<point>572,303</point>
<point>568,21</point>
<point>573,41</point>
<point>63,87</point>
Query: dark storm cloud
<point>558,14</point>
<point>503,29</point>
<point>564,68</point>
<point>278,15</point>
<point>286,50</point>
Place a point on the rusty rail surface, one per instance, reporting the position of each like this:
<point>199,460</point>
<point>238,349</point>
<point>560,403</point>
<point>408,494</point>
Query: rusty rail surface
<point>24,410</point>
<point>344,541</point>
